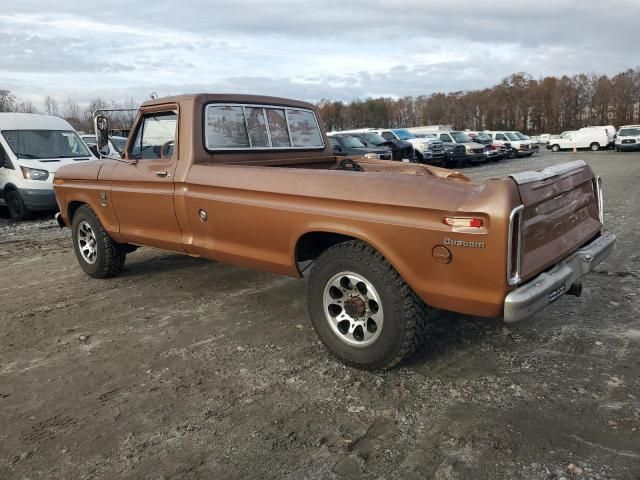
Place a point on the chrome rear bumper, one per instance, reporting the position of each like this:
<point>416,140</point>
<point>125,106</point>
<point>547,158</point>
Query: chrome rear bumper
<point>552,284</point>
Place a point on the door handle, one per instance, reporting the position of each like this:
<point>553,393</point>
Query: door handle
<point>162,173</point>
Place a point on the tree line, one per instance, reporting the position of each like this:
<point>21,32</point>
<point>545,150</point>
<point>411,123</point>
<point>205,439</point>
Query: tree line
<point>80,117</point>
<point>519,102</point>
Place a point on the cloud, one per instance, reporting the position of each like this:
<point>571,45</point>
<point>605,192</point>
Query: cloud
<point>309,50</point>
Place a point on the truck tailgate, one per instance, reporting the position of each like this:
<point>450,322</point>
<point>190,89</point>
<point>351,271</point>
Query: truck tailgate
<point>561,213</point>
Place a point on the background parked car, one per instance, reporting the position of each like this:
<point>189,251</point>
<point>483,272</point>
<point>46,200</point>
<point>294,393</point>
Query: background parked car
<point>455,156</point>
<point>116,145</point>
<point>474,151</point>
<point>493,150</point>
<point>400,149</point>
<point>32,148</point>
<point>426,150</point>
<point>519,147</point>
<point>535,146</point>
<point>628,138</point>
<point>344,145</point>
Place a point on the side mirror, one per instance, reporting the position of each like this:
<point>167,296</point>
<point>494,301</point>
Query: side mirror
<point>101,126</point>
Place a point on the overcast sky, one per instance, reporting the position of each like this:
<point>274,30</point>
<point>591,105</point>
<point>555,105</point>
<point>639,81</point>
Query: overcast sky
<point>338,49</point>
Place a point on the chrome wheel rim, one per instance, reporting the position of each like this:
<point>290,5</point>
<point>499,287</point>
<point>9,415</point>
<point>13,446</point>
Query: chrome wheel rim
<point>353,309</point>
<point>87,243</point>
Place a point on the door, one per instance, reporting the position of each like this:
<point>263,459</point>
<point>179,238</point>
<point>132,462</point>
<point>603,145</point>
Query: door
<point>142,192</point>
<point>5,166</point>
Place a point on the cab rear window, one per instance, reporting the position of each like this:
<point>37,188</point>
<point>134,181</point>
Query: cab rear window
<point>260,127</point>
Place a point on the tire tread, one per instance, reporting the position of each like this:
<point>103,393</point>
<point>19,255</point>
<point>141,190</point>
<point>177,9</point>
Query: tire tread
<point>113,253</point>
<point>415,312</point>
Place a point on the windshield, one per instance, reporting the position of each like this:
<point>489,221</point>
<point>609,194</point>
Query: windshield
<point>461,137</point>
<point>36,144</point>
<point>351,142</point>
<point>404,134</point>
<point>521,136</point>
<point>119,142</point>
<point>512,136</point>
<point>373,138</point>
<point>629,132</point>
<point>483,136</point>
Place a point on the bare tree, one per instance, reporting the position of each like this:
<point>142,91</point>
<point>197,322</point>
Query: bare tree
<point>51,106</point>
<point>7,101</point>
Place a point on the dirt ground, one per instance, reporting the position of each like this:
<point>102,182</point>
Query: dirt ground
<point>185,368</point>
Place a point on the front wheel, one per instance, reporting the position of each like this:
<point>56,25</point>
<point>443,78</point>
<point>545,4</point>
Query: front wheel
<point>17,209</point>
<point>97,253</point>
<point>555,148</point>
<point>594,147</point>
<point>362,310</point>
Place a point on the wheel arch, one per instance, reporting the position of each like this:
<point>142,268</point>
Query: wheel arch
<point>313,242</point>
<point>73,207</point>
<point>10,186</point>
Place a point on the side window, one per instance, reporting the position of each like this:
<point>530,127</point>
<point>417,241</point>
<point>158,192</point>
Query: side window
<point>387,135</point>
<point>304,130</point>
<point>444,137</point>
<point>500,136</point>
<point>278,127</point>
<point>155,137</point>
<point>226,127</point>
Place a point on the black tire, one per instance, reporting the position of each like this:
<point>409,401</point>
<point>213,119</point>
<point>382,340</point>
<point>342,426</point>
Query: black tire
<point>555,148</point>
<point>419,157</point>
<point>595,146</point>
<point>405,314</point>
<point>109,255</point>
<point>17,209</point>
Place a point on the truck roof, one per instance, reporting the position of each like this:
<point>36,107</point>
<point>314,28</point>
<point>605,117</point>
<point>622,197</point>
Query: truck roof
<point>231,98</point>
<point>32,121</point>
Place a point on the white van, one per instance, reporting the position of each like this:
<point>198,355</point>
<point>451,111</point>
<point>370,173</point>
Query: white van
<point>628,138</point>
<point>32,148</point>
<point>593,138</point>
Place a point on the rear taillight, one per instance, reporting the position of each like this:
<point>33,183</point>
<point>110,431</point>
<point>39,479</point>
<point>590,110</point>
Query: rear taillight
<point>472,222</point>
<point>514,246</point>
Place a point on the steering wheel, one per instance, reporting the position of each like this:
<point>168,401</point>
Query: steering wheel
<point>166,151</point>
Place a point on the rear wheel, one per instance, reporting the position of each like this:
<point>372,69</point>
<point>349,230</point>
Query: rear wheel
<point>595,146</point>
<point>555,148</point>
<point>97,253</point>
<point>362,310</point>
<point>17,209</point>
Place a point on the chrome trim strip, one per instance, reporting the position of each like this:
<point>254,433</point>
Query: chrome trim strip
<point>246,125</point>
<point>600,199</point>
<point>266,123</point>
<point>552,171</point>
<point>513,278</point>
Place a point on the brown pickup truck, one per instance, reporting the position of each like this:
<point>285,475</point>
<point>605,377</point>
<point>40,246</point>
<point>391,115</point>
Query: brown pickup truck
<point>252,181</point>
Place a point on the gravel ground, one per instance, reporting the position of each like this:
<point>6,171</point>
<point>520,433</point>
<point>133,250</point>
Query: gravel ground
<point>185,368</point>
